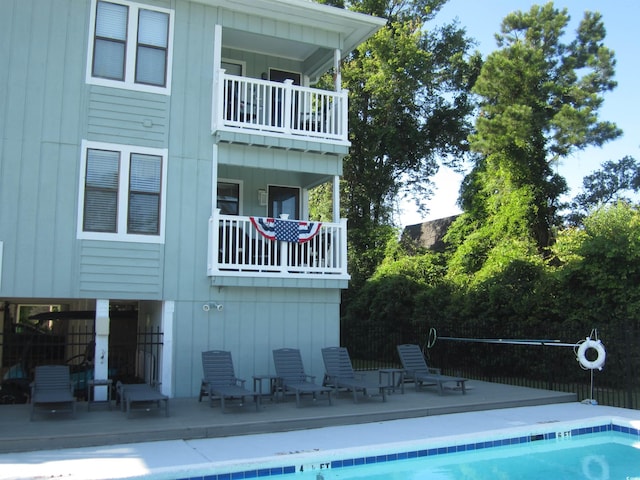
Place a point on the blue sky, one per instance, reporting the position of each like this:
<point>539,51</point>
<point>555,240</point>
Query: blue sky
<point>482,19</point>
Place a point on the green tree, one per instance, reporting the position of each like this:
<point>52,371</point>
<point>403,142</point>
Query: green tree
<point>611,184</point>
<point>409,106</point>
<point>539,102</point>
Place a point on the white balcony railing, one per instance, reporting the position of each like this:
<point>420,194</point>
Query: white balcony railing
<point>281,109</point>
<point>236,248</point>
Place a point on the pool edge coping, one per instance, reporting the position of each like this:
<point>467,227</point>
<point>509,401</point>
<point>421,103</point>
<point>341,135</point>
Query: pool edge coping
<point>287,463</point>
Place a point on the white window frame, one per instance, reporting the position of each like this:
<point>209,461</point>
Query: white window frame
<point>129,82</point>
<point>123,193</point>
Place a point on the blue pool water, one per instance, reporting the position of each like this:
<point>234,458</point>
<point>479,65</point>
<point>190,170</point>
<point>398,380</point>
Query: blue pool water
<point>598,452</point>
<point>594,457</point>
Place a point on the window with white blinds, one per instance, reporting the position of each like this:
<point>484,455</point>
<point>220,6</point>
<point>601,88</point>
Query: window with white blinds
<point>111,41</point>
<point>144,194</point>
<point>151,56</point>
<point>101,191</point>
<point>122,193</point>
<point>131,46</point>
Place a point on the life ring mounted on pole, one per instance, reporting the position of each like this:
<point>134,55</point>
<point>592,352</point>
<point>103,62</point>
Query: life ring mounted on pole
<point>596,345</point>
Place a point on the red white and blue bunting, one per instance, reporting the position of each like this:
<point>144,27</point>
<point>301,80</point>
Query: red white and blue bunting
<point>294,231</point>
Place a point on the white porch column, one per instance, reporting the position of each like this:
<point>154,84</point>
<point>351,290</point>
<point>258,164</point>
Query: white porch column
<point>214,179</point>
<point>168,309</point>
<point>337,77</point>
<point>101,354</point>
<point>216,104</point>
<point>336,199</point>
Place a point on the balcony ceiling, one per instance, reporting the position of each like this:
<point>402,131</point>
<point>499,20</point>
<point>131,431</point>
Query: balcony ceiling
<point>353,28</point>
<point>252,42</point>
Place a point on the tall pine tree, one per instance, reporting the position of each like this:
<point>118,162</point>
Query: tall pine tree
<point>539,102</point>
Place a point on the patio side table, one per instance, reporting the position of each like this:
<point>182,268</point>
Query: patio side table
<point>91,392</point>
<point>390,375</point>
<point>274,383</point>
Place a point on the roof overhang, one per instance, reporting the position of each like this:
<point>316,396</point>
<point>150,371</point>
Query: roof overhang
<point>348,29</point>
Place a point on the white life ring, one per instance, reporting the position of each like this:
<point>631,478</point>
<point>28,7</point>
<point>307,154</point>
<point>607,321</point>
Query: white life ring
<point>598,347</point>
<point>595,467</point>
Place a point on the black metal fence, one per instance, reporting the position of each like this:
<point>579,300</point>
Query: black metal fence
<point>457,351</point>
<point>134,356</point>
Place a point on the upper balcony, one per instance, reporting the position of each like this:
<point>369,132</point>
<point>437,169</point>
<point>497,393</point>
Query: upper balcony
<point>258,45</point>
<point>252,106</point>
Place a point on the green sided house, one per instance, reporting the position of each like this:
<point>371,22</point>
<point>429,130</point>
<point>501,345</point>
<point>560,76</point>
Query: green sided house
<point>156,159</point>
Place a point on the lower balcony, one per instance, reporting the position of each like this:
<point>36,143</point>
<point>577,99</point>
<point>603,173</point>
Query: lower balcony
<point>239,247</point>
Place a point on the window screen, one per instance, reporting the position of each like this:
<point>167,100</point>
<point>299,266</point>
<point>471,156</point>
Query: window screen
<point>101,191</point>
<point>111,41</point>
<point>144,194</point>
<point>153,28</point>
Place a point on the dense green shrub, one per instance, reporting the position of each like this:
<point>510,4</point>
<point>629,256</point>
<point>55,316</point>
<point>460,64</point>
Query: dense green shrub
<point>591,281</point>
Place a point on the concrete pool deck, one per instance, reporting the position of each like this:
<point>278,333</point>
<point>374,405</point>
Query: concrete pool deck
<point>190,419</point>
<point>197,457</point>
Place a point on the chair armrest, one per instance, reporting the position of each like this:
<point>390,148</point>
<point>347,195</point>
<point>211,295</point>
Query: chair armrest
<point>436,371</point>
<point>240,382</point>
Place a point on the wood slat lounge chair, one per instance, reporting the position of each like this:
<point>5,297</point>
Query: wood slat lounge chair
<point>340,374</point>
<point>291,374</point>
<point>52,389</point>
<point>220,380</point>
<point>416,369</point>
<point>136,395</point>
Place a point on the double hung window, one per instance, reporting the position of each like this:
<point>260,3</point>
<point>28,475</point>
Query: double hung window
<point>228,197</point>
<point>130,46</point>
<point>122,193</point>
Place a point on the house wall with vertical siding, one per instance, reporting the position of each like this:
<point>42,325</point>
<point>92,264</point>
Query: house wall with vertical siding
<point>46,112</point>
<point>41,120</point>
<point>253,322</point>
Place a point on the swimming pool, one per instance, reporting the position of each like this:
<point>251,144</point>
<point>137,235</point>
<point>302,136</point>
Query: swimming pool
<point>594,450</point>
